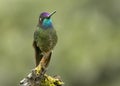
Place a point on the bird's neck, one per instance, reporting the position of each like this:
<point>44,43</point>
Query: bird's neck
<point>46,24</point>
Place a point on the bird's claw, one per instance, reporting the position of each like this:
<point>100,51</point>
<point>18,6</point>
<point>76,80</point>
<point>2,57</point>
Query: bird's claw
<point>37,70</point>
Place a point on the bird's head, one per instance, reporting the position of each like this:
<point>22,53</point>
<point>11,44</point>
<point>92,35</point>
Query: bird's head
<point>45,20</point>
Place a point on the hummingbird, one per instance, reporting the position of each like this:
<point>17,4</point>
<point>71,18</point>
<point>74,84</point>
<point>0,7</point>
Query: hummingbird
<point>45,39</point>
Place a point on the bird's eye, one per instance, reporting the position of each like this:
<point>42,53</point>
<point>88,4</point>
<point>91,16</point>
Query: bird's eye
<point>40,19</point>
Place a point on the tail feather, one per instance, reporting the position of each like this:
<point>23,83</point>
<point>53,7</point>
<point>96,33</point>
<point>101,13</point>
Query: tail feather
<point>38,53</point>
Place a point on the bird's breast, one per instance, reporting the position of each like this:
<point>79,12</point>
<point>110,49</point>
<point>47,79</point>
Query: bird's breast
<point>46,39</point>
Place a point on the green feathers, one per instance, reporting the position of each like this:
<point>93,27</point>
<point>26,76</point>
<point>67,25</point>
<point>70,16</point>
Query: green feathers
<point>45,39</point>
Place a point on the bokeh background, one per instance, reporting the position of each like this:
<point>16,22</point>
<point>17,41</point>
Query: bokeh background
<point>88,50</point>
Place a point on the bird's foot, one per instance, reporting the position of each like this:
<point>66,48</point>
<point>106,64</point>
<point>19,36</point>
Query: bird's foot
<point>37,70</point>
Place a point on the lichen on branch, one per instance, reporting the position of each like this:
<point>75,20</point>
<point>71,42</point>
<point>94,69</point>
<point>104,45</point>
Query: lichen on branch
<point>33,79</point>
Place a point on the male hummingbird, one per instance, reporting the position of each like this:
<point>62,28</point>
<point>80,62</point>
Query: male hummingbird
<point>45,37</point>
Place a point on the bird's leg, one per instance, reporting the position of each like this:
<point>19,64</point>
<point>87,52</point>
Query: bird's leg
<point>46,59</point>
<point>41,68</point>
<point>38,69</point>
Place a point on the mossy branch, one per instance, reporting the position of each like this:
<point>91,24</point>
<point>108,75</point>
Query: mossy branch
<point>33,79</point>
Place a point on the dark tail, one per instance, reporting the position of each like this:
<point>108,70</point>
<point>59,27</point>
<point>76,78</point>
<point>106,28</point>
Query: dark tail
<point>38,55</point>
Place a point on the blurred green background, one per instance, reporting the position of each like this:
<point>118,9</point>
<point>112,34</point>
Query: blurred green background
<point>88,49</point>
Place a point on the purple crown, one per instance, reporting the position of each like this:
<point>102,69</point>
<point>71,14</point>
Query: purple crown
<point>44,14</point>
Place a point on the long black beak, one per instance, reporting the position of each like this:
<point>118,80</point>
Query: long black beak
<point>52,13</point>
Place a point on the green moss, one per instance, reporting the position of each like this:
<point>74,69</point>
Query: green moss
<point>50,81</point>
